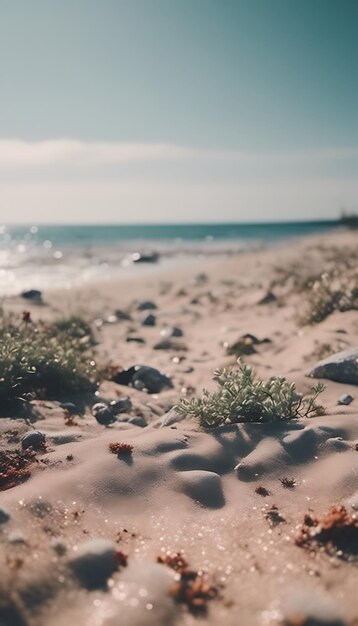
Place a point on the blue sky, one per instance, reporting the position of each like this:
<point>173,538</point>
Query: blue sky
<point>203,110</point>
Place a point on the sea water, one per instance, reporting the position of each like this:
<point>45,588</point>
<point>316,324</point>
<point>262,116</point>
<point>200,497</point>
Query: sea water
<point>48,256</point>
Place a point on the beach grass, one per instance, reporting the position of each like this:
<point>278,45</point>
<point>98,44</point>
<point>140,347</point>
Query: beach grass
<point>45,360</point>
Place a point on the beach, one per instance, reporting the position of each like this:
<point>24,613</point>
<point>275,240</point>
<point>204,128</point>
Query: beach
<point>231,499</point>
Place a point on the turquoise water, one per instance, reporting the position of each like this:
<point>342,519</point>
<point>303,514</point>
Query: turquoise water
<point>109,234</point>
<point>48,257</point>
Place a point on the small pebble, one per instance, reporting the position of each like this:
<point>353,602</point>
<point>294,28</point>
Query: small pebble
<point>123,405</point>
<point>103,414</point>
<point>138,421</point>
<point>33,439</point>
<point>59,546</point>
<point>147,305</point>
<point>69,407</point>
<point>345,399</point>
<point>149,320</point>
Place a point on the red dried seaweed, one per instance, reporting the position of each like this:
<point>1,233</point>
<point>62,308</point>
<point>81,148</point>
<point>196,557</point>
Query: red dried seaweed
<point>190,587</point>
<point>120,448</point>
<point>337,531</point>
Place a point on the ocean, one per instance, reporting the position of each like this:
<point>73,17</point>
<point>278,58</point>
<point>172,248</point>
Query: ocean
<point>47,256</point>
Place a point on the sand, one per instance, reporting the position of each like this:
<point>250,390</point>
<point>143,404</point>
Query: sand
<point>178,490</point>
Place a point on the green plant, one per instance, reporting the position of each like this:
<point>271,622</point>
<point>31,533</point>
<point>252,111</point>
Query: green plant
<point>335,291</point>
<point>75,328</point>
<point>242,398</point>
<point>42,360</point>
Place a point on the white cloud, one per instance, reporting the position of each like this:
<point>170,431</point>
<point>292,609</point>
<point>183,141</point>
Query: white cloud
<point>16,153</point>
<point>65,180</point>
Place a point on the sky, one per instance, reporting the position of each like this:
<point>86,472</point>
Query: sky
<point>178,110</point>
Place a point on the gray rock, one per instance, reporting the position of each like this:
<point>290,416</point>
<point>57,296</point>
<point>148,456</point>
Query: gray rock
<point>150,379</point>
<point>103,414</point>
<point>70,408</point>
<point>94,562</point>
<point>149,320</point>
<point>4,515</point>
<point>174,331</point>
<point>267,298</point>
<point>341,367</point>
<point>58,546</point>
<point>169,344</point>
<point>34,439</point>
<point>32,294</point>
<point>146,305</point>
<point>150,257</point>
<point>133,339</point>
<point>123,405</point>
<point>345,399</point>
<point>137,420</point>
<point>122,315</point>
<point>143,377</point>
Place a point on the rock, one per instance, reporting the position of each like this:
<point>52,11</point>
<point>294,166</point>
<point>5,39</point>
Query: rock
<point>137,420</point>
<point>34,439</point>
<point>122,315</point>
<point>268,297</point>
<point>58,546</point>
<point>168,344</point>
<point>4,515</point>
<point>310,608</point>
<point>135,340</point>
<point>175,331</point>
<point>32,294</point>
<point>149,320</point>
<point>69,407</point>
<point>103,414</point>
<point>111,319</point>
<point>146,305</point>
<point>345,399</point>
<point>143,377</point>
<point>125,376</point>
<point>150,379</point>
<point>341,367</point>
<point>94,562</point>
<point>123,405</point>
<point>152,257</point>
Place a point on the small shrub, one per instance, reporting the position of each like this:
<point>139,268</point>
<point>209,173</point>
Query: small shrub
<point>75,328</point>
<point>335,291</point>
<point>242,398</point>
<point>42,360</point>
